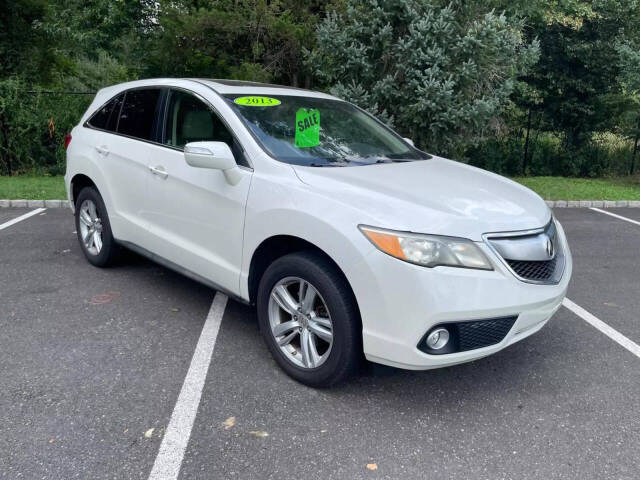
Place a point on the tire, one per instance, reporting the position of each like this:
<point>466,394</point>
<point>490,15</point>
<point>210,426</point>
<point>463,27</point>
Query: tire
<point>328,362</point>
<point>106,255</point>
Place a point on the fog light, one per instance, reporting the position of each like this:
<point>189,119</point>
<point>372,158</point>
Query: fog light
<point>438,338</point>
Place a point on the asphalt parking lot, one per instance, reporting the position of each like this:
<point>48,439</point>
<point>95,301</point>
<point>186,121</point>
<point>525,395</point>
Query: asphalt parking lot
<point>92,363</point>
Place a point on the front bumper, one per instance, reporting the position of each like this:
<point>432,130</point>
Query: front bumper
<point>399,302</point>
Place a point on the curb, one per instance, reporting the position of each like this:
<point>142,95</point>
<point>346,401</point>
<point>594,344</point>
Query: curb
<point>592,203</point>
<point>35,203</point>
<point>550,203</point>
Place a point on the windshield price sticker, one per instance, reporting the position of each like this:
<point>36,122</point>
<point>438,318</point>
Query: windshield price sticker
<point>257,101</point>
<point>307,127</point>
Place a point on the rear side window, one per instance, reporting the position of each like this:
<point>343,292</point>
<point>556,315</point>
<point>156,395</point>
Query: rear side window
<point>107,117</point>
<point>138,113</point>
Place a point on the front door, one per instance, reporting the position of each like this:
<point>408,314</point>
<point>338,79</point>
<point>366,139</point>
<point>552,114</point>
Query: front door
<point>196,218</point>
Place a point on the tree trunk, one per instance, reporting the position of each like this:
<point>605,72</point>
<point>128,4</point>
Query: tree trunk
<point>526,144</point>
<point>4,135</point>
<point>635,149</point>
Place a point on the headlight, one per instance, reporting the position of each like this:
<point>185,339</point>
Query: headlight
<point>428,250</point>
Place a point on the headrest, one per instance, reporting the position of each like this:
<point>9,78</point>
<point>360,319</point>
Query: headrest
<point>197,125</point>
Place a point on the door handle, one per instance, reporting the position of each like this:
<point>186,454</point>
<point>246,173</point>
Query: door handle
<point>159,170</point>
<point>102,150</point>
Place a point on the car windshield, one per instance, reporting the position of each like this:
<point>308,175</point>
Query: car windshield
<point>320,132</point>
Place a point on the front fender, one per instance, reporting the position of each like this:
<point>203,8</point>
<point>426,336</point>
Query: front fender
<point>295,209</point>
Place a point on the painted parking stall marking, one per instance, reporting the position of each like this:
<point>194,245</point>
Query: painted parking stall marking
<point>603,327</point>
<point>596,322</point>
<point>174,443</point>
<point>21,218</point>
<point>615,215</point>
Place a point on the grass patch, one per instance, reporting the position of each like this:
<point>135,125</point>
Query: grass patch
<point>549,188</point>
<point>561,188</point>
<point>32,188</point>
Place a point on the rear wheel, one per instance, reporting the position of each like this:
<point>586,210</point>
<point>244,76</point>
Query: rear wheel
<point>94,230</point>
<point>309,320</point>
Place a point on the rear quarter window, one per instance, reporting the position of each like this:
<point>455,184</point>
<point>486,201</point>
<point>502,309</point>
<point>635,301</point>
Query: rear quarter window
<point>106,118</point>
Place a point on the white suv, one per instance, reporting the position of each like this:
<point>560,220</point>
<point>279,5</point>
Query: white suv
<point>347,239</point>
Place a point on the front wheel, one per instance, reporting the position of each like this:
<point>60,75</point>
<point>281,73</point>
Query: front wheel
<point>309,319</point>
<point>94,230</point>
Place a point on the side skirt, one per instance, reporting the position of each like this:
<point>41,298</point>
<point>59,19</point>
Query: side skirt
<point>181,270</point>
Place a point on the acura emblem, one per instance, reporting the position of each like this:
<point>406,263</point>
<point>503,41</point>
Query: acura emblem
<point>549,247</point>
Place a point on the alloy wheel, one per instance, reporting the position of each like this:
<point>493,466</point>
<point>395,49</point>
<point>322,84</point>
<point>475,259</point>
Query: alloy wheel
<point>300,322</point>
<point>90,227</point>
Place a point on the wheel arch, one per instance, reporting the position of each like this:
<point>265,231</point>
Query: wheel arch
<point>278,246</point>
<point>78,182</point>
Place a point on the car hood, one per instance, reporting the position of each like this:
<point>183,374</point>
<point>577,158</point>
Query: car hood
<point>436,196</point>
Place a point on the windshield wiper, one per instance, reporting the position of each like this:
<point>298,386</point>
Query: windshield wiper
<point>392,160</point>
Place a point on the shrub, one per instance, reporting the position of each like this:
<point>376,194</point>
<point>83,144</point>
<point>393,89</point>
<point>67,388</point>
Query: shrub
<point>606,154</point>
<point>437,76</point>
<point>33,126</point>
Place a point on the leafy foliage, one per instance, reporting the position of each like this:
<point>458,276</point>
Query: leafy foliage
<point>629,119</point>
<point>517,86</point>
<point>32,128</point>
<point>24,46</point>
<point>439,78</point>
<point>256,40</point>
<point>574,93</point>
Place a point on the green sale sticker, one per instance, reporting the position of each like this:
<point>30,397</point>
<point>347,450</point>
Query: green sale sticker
<point>307,127</point>
<point>257,101</point>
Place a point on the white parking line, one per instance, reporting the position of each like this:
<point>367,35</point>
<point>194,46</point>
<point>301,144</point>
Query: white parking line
<point>174,443</point>
<point>615,215</point>
<point>21,217</point>
<point>603,327</point>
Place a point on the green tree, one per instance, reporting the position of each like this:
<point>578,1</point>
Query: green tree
<point>579,69</point>
<point>88,30</point>
<point>438,74</point>
<point>246,39</point>
<point>630,79</point>
<point>25,52</point>
<point>59,46</point>
<point>25,48</point>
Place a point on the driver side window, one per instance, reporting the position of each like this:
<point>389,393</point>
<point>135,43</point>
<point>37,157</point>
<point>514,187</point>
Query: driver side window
<point>191,120</point>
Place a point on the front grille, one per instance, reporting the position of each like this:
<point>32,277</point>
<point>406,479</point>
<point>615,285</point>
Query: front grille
<point>534,256</point>
<point>534,270</point>
<point>483,333</point>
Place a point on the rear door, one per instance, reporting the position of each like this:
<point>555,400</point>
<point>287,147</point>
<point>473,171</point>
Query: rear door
<point>195,216</point>
<point>125,154</point>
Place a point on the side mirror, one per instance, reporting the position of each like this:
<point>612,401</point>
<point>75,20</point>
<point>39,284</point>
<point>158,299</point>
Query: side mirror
<point>409,141</point>
<point>213,155</point>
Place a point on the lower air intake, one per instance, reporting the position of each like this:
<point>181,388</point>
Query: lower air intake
<point>483,333</point>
